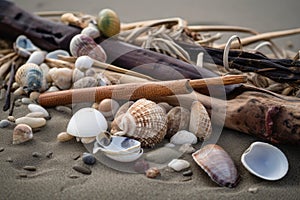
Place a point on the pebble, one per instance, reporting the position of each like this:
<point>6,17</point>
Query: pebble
<point>19,92</point>
<point>75,156</point>
<point>162,155</point>
<point>15,86</point>
<point>141,166</point>
<point>90,72</point>
<point>36,154</point>
<point>187,148</point>
<point>178,164</point>
<point>64,137</point>
<point>11,118</point>
<point>77,74</point>
<point>81,169</point>
<point>84,63</point>
<point>85,82</point>
<point>34,96</point>
<point>64,109</point>
<point>29,168</point>
<point>35,115</point>
<point>52,89</point>
<point>188,173</point>
<point>38,108</point>
<point>1,149</point>
<point>18,103</point>
<point>4,123</point>
<point>152,172</point>
<point>32,122</point>
<point>22,133</point>
<point>26,101</point>
<point>253,189</point>
<point>183,137</point>
<point>72,176</point>
<point>49,154</point>
<point>9,159</point>
<point>88,158</point>
<point>108,107</point>
<point>2,94</point>
<point>23,175</point>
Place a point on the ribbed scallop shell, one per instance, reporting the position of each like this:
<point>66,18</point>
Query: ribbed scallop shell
<point>83,45</point>
<point>200,123</point>
<point>144,121</point>
<point>108,22</point>
<point>30,77</point>
<point>216,162</point>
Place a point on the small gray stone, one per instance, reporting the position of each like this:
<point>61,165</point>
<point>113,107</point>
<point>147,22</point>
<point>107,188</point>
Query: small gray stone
<point>88,158</point>
<point>29,168</point>
<point>22,175</point>
<point>187,173</point>
<point>36,154</point>
<point>49,154</point>
<point>81,169</point>
<point>4,123</point>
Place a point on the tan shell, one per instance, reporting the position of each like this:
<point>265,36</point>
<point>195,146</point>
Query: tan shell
<point>216,162</point>
<point>22,133</point>
<point>178,119</point>
<point>144,121</point>
<point>200,123</point>
<point>61,77</point>
<point>64,137</point>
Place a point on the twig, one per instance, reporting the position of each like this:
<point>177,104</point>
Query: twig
<point>8,91</point>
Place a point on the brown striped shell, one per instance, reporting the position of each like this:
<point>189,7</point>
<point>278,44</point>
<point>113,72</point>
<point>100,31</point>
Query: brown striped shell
<point>83,45</point>
<point>108,22</point>
<point>144,121</point>
<point>216,162</point>
<point>200,123</point>
<point>30,77</point>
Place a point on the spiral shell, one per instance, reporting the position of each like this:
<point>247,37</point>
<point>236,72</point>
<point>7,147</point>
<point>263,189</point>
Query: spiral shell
<point>108,22</point>
<point>30,77</point>
<point>81,45</point>
<point>144,121</point>
<point>200,123</point>
<point>215,161</point>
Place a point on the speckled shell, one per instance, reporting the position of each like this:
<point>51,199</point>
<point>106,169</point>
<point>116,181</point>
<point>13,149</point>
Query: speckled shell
<point>178,119</point>
<point>108,23</point>
<point>200,123</point>
<point>30,77</point>
<point>144,121</point>
<point>216,162</point>
<point>22,133</point>
<point>81,45</point>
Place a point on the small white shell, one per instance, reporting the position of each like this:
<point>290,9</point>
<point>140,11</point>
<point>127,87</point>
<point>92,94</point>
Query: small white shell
<point>36,57</point>
<point>23,46</point>
<point>22,133</point>
<point>183,137</point>
<point>178,164</point>
<point>32,122</point>
<point>84,63</point>
<point>265,161</point>
<point>38,108</point>
<point>87,122</point>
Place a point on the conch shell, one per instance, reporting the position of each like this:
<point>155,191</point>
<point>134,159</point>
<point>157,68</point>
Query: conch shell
<point>144,121</point>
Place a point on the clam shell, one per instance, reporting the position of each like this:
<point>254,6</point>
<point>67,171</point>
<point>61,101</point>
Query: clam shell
<point>83,45</point>
<point>144,121</point>
<point>22,133</point>
<point>61,77</point>
<point>265,161</point>
<point>183,137</point>
<point>217,164</point>
<point>178,119</point>
<point>200,123</point>
<point>108,22</point>
<point>86,122</point>
<point>37,57</point>
<point>30,77</point>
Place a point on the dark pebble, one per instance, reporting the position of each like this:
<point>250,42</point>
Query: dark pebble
<point>36,154</point>
<point>4,123</point>
<point>88,158</point>
<point>29,168</point>
<point>187,173</point>
<point>82,169</point>
<point>75,156</point>
<point>1,149</point>
<point>22,175</point>
<point>9,159</point>
<point>72,176</point>
<point>49,154</point>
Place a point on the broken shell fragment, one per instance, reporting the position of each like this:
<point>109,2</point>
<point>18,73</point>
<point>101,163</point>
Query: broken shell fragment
<point>23,46</point>
<point>22,133</point>
<point>217,164</point>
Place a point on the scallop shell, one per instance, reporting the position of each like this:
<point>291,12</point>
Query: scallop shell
<point>82,45</point>
<point>178,119</point>
<point>108,22</point>
<point>216,162</point>
<point>200,123</point>
<point>30,77</point>
<point>144,121</point>
<point>22,133</point>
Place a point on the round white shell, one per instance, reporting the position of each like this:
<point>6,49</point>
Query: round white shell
<point>265,161</point>
<point>87,122</point>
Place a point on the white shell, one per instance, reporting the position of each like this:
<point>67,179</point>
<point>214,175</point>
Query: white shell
<point>36,57</point>
<point>183,137</point>
<point>37,108</point>
<point>87,122</point>
<point>178,164</point>
<point>84,63</point>
<point>265,161</point>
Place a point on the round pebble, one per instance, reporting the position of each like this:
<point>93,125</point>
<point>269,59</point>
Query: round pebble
<point>108,107</point>
<point>152,172</point>
<point>64,109</point>
<point>26,101</point>
<point>36,154</point>
<point>38,108</point>
<point>35,115</point>
<point>88,158</point>
<point>64,137</point>
<point>81,169</point>
<point>11,118</point>
<point>4,123</point>
<point>178,164</point>
<point>34,96</point>
<point>187,173</point>
<point>32,122</point>
<point>29,168</point>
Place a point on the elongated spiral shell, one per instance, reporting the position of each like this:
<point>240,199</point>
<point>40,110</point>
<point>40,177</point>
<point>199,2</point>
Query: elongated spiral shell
<point>108,22</point>
<point>144,121</point>
<point>30,77</point>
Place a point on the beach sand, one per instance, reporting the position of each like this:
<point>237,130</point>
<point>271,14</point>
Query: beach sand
<point>54,177</point>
